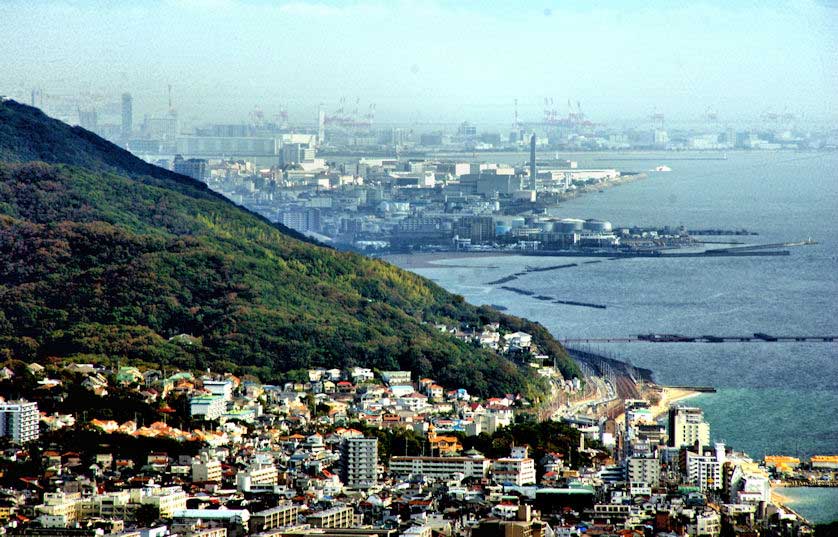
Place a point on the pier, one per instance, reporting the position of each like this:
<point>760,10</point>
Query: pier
<point>700,389</point>
<point>657,253</point>
<point>668,158</point>
<point>754,247</point>
<point>759,337</point>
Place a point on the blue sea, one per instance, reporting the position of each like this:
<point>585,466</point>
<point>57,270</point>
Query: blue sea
<point>773,398</point>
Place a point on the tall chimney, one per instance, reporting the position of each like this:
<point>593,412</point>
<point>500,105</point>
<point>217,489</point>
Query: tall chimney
<point>532,161</point>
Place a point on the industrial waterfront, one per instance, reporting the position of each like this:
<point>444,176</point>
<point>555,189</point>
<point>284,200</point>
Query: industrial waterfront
<point>771,398</point>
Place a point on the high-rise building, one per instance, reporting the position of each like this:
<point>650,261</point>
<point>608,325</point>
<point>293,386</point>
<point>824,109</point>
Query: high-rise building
<point>479,229</point>
<point>321,127</point>
<point>19,421</point>
<point>301,219</point>
<point>359,463</point>
<point>195,168</point>
<point>88,119</point>
<point>687,426</point>
<point>127,117</point>
<point>644,469</point>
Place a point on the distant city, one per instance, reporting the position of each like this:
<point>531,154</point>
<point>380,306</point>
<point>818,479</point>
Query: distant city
<point>343,179</point>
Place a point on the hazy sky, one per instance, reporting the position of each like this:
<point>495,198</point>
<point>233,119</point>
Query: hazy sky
<point>432,59</point>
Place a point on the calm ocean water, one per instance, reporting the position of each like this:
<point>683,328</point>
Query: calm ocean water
<point>773,397</point>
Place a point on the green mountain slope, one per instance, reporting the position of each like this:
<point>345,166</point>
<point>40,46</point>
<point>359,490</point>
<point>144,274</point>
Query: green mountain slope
<point>105,257</point>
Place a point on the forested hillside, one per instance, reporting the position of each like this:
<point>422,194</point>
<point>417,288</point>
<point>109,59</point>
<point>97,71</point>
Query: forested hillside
<point>105,257</point>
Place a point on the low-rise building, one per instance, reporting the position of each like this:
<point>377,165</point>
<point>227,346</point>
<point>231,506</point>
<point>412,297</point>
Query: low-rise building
<point>440,467</point>
<point>336,517</point>
<point>277,517</point>
<point>208,407</point>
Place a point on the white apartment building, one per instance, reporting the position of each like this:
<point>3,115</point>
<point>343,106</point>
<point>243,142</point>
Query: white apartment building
<point>206,469</point>
<point>260,475</point>
<point>517,469</point>
<point>62,510</point>
<point>220,388</point>
<point>414,402</point>
<point>166,499</point>
<point>19,421</point>
<point>440,467</point>
<point>687,426</point>
<point>276,517</point>
<point>705,469</point>
<point>58,510</point>
<point>208,407</point>
<point>705,524</point>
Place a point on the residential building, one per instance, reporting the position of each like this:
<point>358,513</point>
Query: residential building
<point>687,427</point>
<point>359,462</point>
<point>19,421</point>
<point>205,469</point>
<point>440,467</point>
<point>220,388</point>
<point>260,475</point>
<point>336,517</point>
<point>196,168</point>
<point>277,517</point>
<point>644,469</point>
<point>167,500</point>
<point>517,469</point>
<point>208,407</point>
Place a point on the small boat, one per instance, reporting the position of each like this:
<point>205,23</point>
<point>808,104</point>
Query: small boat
<point>663,168</point>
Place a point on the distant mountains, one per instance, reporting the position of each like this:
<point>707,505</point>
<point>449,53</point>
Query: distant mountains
<point>106,257</point>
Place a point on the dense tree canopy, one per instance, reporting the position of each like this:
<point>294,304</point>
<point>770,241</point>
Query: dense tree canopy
<point>107,256</point>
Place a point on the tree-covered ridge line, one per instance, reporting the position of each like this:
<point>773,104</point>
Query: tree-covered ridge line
<point>110,265</point>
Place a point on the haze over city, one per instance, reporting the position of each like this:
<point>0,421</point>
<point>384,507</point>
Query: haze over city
<point>418,268</point>
<point>431,61</point>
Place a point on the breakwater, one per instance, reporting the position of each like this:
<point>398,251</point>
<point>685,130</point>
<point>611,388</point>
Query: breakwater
<point>546,298</point>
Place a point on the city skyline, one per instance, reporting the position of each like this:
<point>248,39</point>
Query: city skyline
<point>621,62</point>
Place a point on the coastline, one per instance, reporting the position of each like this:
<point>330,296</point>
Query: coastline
<point>668,397</point>
<point>782,501</point>
<point>665,395</point>
<point>436,259</point>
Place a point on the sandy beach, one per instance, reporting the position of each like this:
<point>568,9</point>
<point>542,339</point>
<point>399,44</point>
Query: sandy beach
<point>779,498</point>
<point>668,397</point>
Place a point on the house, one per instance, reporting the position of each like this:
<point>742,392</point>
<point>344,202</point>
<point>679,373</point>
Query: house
<point>489,339</point>
<point>520,340</point>
<point>361,374</point>
<point>414,401</point>
<point>392,378</point>
<point>129,375</point>
<point>345,387</point>
<point>436,392</point>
